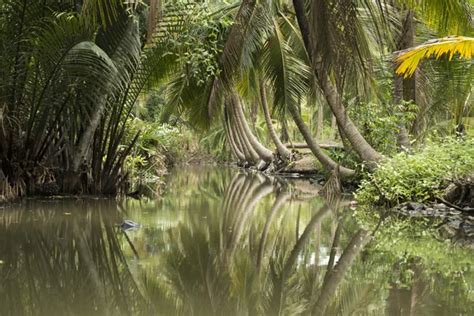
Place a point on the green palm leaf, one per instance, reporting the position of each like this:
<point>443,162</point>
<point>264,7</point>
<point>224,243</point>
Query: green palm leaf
<point>288,74</point>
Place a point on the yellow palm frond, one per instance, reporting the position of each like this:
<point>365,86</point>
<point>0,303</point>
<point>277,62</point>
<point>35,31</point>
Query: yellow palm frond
<point>453,45</point>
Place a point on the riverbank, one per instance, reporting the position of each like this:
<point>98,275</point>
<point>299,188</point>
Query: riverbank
<point>434,185</point>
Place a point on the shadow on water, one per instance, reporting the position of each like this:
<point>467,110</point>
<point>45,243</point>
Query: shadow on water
<point>220,242</point>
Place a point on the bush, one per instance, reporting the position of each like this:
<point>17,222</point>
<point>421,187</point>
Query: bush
<point>379,123</point>
<point>159,147</point>
<point>418,177</point>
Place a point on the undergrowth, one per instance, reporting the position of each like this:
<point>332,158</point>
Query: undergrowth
<point>420,176</point>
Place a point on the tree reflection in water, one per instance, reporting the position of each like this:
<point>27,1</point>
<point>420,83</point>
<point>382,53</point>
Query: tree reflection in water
<point>219,242</point>
<point>64,257</point>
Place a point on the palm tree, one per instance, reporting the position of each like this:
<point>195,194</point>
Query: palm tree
<point>284,153</point>
<point>69,82</point>
<point>283,71</point>
<point>313,36</point>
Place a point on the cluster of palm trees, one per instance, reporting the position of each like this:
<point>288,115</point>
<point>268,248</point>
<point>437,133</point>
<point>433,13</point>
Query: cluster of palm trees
<point>72,70</point>
<point>328,49</point>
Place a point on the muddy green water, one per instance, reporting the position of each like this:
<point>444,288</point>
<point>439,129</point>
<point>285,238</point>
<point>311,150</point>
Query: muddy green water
<point>225,242</point>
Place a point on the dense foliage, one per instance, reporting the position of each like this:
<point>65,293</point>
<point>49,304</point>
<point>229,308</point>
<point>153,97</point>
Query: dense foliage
<point>87,85</point>
<point>419,176</point>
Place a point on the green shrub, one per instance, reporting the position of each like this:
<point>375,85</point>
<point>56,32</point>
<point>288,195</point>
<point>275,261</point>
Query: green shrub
<point>420,176</point>
<point>380,123</point>
<point>159,147</point>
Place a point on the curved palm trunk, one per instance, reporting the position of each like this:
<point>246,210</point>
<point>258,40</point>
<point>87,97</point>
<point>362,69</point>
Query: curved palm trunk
<point>250,156</point>
<point>236,151</point>
<point>365,151</point>
<point>250,153</point>
<point>233,146</point>
<point>264,153</point>
<point>282,150</point>
<point>238,142</point>
<point>325,160</point>
<point>358,142</point>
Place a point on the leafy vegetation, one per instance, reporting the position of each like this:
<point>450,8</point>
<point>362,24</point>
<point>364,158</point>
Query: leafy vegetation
<point>102,97</point>
<point>378,123</point>
<point>93,91</point>
<point>419,176</point>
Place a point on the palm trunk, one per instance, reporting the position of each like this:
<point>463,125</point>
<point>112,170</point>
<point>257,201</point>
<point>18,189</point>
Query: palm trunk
<point>237,152</point>
<point>365,151</point>
<point>334,128</point>
<point>402,138</point>
<point>282,150</point>
<point>404,89</point>
<point>154,16</point>
<point>358,142</point>
<point>250,153</point>
<point>325,160</point>
<point>264,153</point>
<point>249,158</point>
<point>284,131</point>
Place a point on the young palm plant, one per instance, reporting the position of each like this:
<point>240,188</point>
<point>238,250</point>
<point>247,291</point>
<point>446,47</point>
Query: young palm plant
<point>71,74</point>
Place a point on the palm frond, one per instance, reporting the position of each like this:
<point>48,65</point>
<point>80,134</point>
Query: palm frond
<point>230,60</point>
<point>287,73</point>
<point>447,46</point>
<point>103,11</point>
<point>445,16</point>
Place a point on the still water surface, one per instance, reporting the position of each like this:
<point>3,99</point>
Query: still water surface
<point>224,242</point>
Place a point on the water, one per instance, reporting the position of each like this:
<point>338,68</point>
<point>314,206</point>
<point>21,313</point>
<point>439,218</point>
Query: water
<point>224,242</point>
